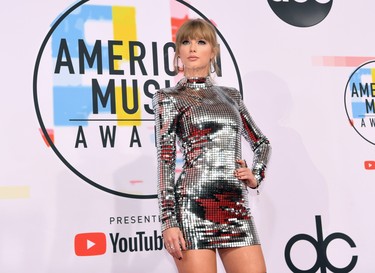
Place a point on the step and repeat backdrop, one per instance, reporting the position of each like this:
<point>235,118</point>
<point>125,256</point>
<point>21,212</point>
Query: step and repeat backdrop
<point>78,157</point>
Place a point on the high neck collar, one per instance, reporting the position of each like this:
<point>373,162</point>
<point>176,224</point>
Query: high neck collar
<point>195,82</point>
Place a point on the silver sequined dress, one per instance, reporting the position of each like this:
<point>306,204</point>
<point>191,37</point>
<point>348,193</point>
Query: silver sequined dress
<point>207,202</point>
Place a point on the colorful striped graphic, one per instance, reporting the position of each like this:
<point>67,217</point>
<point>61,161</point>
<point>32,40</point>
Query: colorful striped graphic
<point>340,61</point>
<point>72,98</point>
<point>125,29</point>
<point>14,192</point>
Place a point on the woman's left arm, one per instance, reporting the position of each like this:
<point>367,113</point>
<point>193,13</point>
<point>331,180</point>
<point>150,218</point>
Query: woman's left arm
<point>259,143</point>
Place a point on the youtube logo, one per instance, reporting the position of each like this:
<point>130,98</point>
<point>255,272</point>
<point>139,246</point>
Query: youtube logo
<point>370,165</point>
<point>90,244</point>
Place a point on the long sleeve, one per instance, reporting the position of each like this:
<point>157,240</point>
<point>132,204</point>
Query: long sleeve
<point>166,116</point>
<point>260,145</point>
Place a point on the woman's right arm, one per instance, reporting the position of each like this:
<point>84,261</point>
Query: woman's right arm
<point>166,116</point>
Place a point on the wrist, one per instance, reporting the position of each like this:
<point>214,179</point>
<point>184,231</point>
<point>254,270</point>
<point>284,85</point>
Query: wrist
<point>255,186</point>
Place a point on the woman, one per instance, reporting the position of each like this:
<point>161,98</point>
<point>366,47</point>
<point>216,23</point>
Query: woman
<point>206,209</point>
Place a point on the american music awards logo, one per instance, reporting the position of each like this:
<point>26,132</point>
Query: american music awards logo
<point>95,74</point>
<point>360,101</point>
<point>301,13</point>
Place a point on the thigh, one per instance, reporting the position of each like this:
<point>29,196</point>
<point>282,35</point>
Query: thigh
<point>200,260</point>
<point>248,259</point>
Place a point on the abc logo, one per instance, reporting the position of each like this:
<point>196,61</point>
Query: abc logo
<point>301,13</point>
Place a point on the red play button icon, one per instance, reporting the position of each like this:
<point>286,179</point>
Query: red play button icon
<point>370,165</point>
<point>90,244</point>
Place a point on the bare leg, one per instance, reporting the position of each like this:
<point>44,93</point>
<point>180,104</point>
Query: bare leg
<point>200,260</point>
<point>248,259</point>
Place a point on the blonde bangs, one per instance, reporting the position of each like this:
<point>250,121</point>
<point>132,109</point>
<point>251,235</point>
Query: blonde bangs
<point>197,29</point>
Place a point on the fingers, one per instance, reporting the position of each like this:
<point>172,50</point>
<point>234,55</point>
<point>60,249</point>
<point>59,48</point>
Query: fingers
<point>242,162</point>
<point>174,242</point>
<point>243,173</point>
<point>182,242</point>
<point>174,249</point>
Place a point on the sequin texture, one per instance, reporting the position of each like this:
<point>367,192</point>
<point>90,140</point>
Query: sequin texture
<point>207,202</point>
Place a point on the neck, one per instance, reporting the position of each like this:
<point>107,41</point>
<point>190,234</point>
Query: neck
<point>196,79</point>
<point>196,83</point>
<point>197,72</point>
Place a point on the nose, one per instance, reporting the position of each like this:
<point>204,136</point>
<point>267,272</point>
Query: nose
<point>193,47</point>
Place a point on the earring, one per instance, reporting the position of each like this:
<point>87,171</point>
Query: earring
<point>213,65</point>
<point>180,69</point>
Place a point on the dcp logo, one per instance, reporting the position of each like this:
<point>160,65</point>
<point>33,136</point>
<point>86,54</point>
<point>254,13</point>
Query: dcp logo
<point>301,13</point>
<point>320,244</point>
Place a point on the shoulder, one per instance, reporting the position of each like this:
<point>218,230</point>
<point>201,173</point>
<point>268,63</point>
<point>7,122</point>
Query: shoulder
<point>164,95</point>
<point>231,92</point>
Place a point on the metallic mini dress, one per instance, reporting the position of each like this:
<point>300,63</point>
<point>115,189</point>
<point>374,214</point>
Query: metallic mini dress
<point>206,201</point>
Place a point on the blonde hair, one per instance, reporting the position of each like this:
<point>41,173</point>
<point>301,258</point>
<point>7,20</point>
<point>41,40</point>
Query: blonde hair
<point>197,29</point>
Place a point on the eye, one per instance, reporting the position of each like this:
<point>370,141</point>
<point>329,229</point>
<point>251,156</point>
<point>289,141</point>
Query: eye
<point>185,42</point>
<point>202,42</point>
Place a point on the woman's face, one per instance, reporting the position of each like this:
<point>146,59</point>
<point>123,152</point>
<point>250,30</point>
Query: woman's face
<point>195,55</point>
